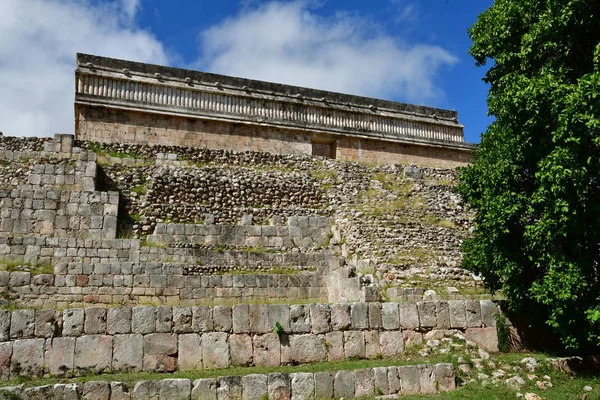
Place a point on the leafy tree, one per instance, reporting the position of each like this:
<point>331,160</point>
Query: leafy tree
<point>534,182</point>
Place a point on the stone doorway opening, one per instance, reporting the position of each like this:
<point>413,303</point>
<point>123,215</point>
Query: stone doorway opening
<point>324,147</point>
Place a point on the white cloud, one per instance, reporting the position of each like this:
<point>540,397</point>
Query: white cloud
<point>288,43</point>
<point>38,43</point>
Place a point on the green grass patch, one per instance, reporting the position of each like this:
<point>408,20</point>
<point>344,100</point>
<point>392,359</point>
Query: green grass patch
<point>20,265</point>
<point>140,190</point>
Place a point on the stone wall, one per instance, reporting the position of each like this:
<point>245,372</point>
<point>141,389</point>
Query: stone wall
<point>144,338</point>
<point>402,380</point>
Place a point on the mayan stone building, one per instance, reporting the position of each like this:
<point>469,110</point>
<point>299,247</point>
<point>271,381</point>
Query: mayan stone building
<point>130,102</point>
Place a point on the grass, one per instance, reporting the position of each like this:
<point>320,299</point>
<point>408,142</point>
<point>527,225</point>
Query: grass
<point>416,254</point>
<point>140,189</point>
<point>99,149</point>
<point>14,265</point>
<point>156,245</point>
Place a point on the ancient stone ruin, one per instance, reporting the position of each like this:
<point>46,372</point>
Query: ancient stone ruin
<point>144,255</point>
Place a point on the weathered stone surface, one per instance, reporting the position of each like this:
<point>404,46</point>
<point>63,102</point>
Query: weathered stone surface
<point>303,386</point>
<point>300,318</point>
<point>164,319</point>
<point>340,317</point>
<point>6,349</point>
<point>190,352</point>
<point>359,313</point>
<point>118,320</point>
<point>202,319</point>
<point>458,314</point>
<point>279,313</point>
<point>241,350</point>
<point>254,387</point>
<point>412,338</point>
<point>27,357</point>
<point>267,350</point>
<point>66,391</point>
<point>473,310</point>
<point>344,384</point>
<point>354,344</point>
<point>320,317</point>
<point>119,391</point>
<point>160,352</point>
<point>323,385</point>
<point>488,312</point>
<point>372,348</point>
<point>409,316</point>
<point>375,317</point>
<point>5,317</point>
<point>445,377</point>
<point>391,343</point>
<point>427,317</point>
<point>22,324</point>
<point>410,379</point>
<point>241,323</point>
<point>215,350</point>
<point>222,319</point>
<point>427,379</point>
<point>279,386</point>
<point>146,390</point>
<point>93,353</point>
<point>334,342</point>
<point>390,316</point>
<point>308,348</point>
<point>95,321</point>
<point>128,354</point>
<point>393,379</point>
<point>175,389</point>
<point>143,319</point>
<point>258,317</point>
<point>59,357</point>
<point>443,315</point>
<point>182,319</point>
<point>229,387</point>
<point>73,322</point>
<point>38,393</point>
<point>486,338</point>
<point>96,390</point>
<point>363,380</point>
<point>204,389</point>
<point>47,323</point>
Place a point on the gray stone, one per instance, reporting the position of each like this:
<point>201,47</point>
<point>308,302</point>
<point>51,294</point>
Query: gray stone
<point>190,352</point>
<point>488,312</point>
<point>5,317</point>
<point>215,350</point>
<point>308,348</point>
<point>360,315</point>
<point>334,342</point>
<point>427,379</point>
<point>202,319</point>
<point>95,321</point>
<point>409,316</point>
<point>344,384</point>
<point>229,387</point>
<point>47,323</point>
<point>27,357</point>
<point>95,390</point>
<point>375,317</point>
<point>340,317</point>
<point>182,319</point>
<point>254,387</point>
<point>175,389</point>
<point>38,393</point>
<point>320,317</point>
<point>363,381</point>
<point>390,316</point>
<point>119,391</point>
<point>446,379</point>
<point>66,391</point>
<point>22,324</point>
<point>258,317</point>
<point>443,315</point>
<point>6,349</point>
<point>240,348</point>
<point>279,386</point>
<point>164,319</point>
<point>303,386</point>
<point>73,322</point>
<point>473,310</point>
<point>267,350</point>
<point>146,390</point>
<point>486,338</point>
<point>59,357</point>
<point>323,385</point>
<point>427,316</point>
<point>128,354</point>
<point>160,352</point>
<point>241,323</point>
<point>143,319</point>
<point>458,316</point>
<point>393,380</point>
<point>279,313</point>
<point>118,320</point>
<point>300,318</point>
<point>204,389</point>
<point>372,348</point>
<point>410,379</point>
<point>93,353</point>
<point>354,344</point>
<point>222,319</point>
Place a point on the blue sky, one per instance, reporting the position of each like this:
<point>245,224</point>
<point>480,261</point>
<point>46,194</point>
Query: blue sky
<point>413,51</point>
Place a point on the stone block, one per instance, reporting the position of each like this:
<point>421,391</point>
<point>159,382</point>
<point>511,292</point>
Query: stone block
<point>160,352</point>
<point>410,379</point>
<point>340,317</point>
<point>59,357</point>
<point>202,319</point>
<point>427,316</point>
<point>344,384</point>
<point>215,350</point>
<point>118,320</point>
<point>229,387</point>
<point>22,324</point>
<point>360,315</point>
<point>427,379</point>
<point>190,352</point>
<point>363,383</point>
<point>308,348</point>
<point>303,386</point>
<point>254,387</point>
<point>258,317</point>
<point>146,390</point>
<point>412,338</point>
<point>143,319</point>
<point>5,317</point>
<point>279,313</point>
<point>38,393</point>
<point>175,389</point>
<point>222,319</point>
<point>27,357</point>
<point>486,338</point>
<point>267,350</point>
<point>380,381</point>
<point>445,377</point>
<point>95,321</point>
<point>241,323</point>
<point>489,309</point>
<point>164,319</point>
<point>66,391</point>
<point>334,342</point>
<point>393,379</point>
<point>354,344</point>
<point>409,316</point>
<point>279,386</point>
<point>93,353</point>
<point>47,323</point>
<point>182,319</point>
<point>390,316</point>
<point>73,322</point>
<point>458,316</point>
<point>6,349</point>
<point>119,391</point>
<point>240,348</point>
<point>323,385</point>
<point>473,310</point>
<point>320,317</point>
<point>300,318</point>
<point>375,317</point>
<point>95,390</point>
<point>204,389</point>
<point>372,349</point>
<point>391,343</point>
<point>128,354</point>
<point>442,310</point>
